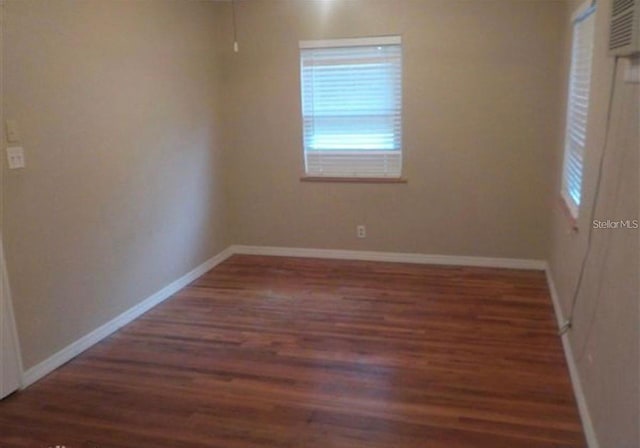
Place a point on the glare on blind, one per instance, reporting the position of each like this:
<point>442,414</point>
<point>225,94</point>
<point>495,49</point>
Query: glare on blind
<point>352,110</point>
<point>578,109</point>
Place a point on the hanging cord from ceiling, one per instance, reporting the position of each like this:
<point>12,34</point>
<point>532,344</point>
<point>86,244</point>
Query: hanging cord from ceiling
<point>236,48</point>
<point>568,323</point>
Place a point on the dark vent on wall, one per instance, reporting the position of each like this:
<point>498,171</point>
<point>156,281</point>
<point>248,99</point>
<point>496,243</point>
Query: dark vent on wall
<point>624,36</point>
<point>621,30</point>
<point>621,5</point>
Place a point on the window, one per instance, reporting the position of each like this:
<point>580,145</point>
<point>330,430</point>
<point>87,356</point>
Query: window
<point>352,107</point>
<point>578,108</point>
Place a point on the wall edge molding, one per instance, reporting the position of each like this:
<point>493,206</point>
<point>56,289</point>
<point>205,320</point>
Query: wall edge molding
<point>72,350</point>
<point>394,257</point>
<point>576,383</point>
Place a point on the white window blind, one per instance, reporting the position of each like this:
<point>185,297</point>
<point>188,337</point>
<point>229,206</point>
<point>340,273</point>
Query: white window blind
<point>578,108</point>
<point>352,107</point>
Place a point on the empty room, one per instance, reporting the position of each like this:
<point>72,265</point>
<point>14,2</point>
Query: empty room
<point>320,223</point>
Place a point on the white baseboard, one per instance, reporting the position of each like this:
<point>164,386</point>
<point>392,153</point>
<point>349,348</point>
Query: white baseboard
<point>45,367</point>
<point>583,409</point>
<point>74,349</point>
<point>451,260</point>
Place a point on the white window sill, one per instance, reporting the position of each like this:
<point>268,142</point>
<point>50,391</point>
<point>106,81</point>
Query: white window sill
<point>361,180</point>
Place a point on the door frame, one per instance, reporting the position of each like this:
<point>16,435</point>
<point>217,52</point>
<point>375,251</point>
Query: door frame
<point>10,358</point>
<point>11,367</point>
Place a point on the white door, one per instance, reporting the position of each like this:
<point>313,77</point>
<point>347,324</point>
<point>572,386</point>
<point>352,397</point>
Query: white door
<point>9,357</point>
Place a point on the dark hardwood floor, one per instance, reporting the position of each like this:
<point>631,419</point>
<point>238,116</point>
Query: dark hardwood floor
<point>292,352</point>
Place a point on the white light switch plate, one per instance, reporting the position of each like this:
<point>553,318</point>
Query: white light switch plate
<point>15,155</point>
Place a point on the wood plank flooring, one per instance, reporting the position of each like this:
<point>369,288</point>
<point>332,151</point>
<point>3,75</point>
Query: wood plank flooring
<point>292,352</point>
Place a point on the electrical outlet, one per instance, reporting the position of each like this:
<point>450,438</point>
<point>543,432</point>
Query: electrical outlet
<point>15,156</point>
<point>361,231</point>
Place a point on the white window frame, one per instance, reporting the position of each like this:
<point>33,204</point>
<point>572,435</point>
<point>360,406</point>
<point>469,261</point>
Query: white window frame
<point>577,110</point>
<point>353,163</point>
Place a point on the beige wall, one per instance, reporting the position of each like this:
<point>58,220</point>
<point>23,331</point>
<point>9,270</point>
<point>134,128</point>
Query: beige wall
<point>480,123</point>
<point>605,333</point>
<point>124,107</point>
<point>116,103</point>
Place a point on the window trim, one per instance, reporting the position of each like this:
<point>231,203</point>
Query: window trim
<point>350,42</point>
<point>357,42</point>
<point>585,9</point>
<point>356,180</point>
